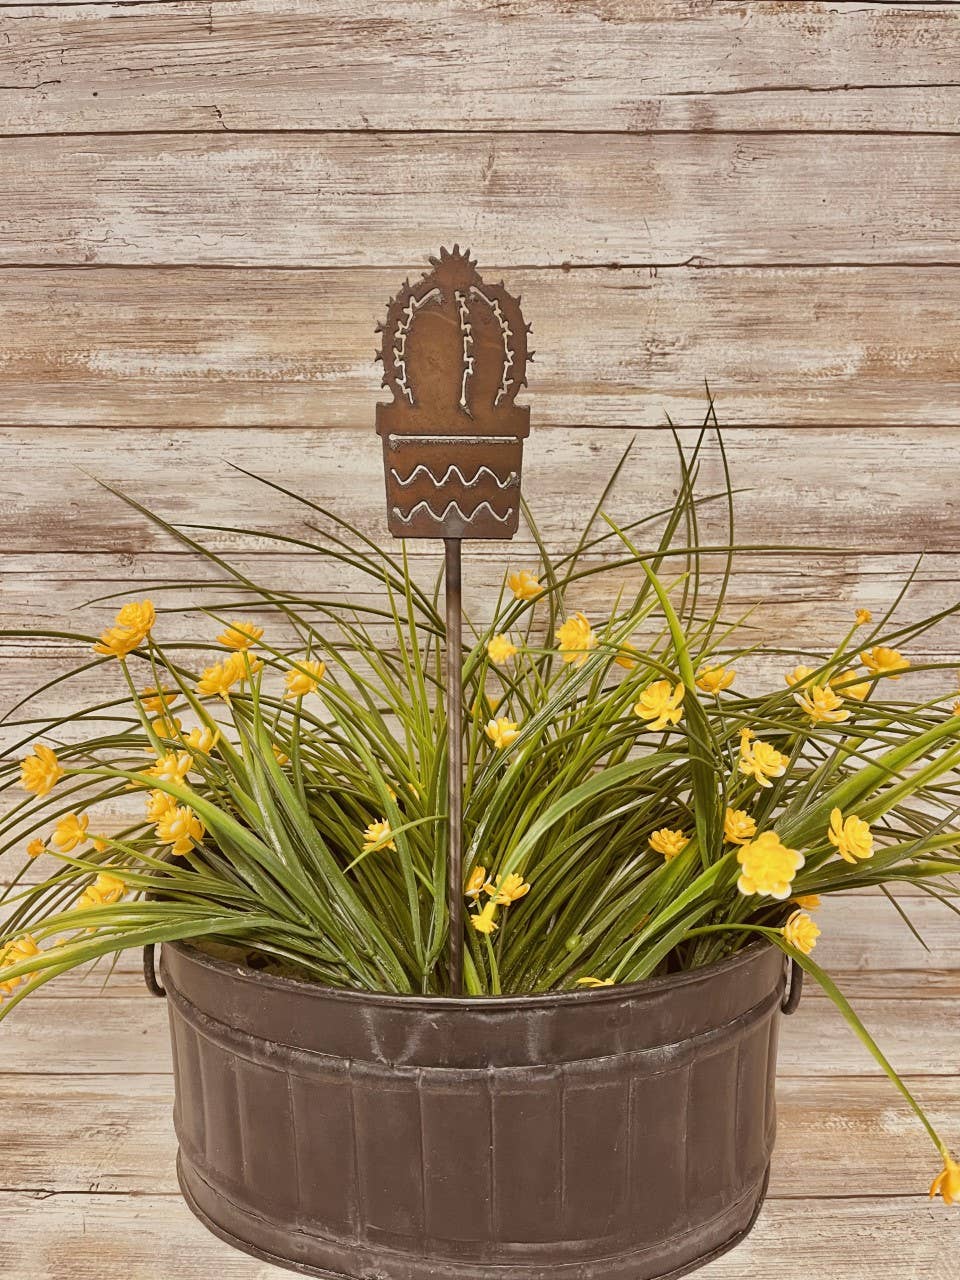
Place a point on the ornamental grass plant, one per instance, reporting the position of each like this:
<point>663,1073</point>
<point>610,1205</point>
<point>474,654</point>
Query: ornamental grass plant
<point>629,810</point>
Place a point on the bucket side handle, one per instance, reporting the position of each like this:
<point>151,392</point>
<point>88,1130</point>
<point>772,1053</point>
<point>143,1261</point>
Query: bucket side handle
<point>153,984</point>
<point>794,988</point>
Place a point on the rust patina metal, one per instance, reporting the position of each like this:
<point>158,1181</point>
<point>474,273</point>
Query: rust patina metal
<point>454,356</point>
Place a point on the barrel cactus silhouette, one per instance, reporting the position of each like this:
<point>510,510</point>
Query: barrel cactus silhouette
<point>454,355</point>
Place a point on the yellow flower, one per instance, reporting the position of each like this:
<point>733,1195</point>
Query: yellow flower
<point>502,732</point>
<point>181,828</point>
<point>882,661</point>
<point>239,635</point>
<point>768,866</point>
<point>280,756</point>
<point>41,771</point>
<point>156,702</point>
<point>956,708</point>
<point>862,617</point>
<point>24,948</point>
<point>738,826</point>
<point>221,677</point>
<point>595,982</point>
<point>172,767</point>
<point>858,691</point>
<point>483,921</point>
<point>159,803</point>
<point>507,890</point>
<point>576,639</point>
<point>851,836</point>
<point>500,649</point>
<point>947,1183</point>
<point>36,847</point>
<point>70,831</point>
<point>801,932</point>
<point>524,585</point>
<point>625,656</point>
<point>167,727</point>
<point>476,882</point>
<point>130,628</point>
<point>304,679</point>
<point>378,836</point>
<point>659,704</point>
<point>668,842</point>
<point>715,679</point>
<point>821,704</point>
<point>106,889</point>
<point>798,675</point>
<point>760,761</point>
<point>808,901</point>
<point>202,739</point>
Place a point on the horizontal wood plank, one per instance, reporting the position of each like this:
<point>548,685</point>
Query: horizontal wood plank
<point>366,200</point>
<point>148,1236</point>
<point>831,347</point>
<point>672,65</point>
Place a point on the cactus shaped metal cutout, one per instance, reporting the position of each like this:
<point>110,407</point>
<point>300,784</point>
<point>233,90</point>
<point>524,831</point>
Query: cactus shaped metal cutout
<point>455,357</point>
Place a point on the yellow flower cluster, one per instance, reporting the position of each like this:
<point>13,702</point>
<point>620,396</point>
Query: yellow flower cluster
<point>738,826</point>
<point>851,837</point>
<point>768,866</point>
<point>130,628</point>
<point>501,892</point>
<point>104,891</point>
<point>239,635</point>
<point>947,1182</point>
<point>172,767</point>
<point>801,932</point>
<point>378,836</point>
<point>715,679</point>
<point>668,842</point>
<point>40,772</point>
<point>502,732</point>
<point>500,649</point>
<point>576,638</point>
<point>70,832</point>
<point>524,585</point>
<point>222,676</point>
<point>16,952</point>
<point>179,827</point>
<point>304,678</point>
<point>759,760</point>
<point>660,704</point>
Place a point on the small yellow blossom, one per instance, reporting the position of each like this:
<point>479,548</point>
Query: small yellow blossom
<point>768,866</point>
<point>502,732</point>
<point>304,678</point>
<point>862,617</point>
<point>280,756</point>
<point>239,635</point>
<point>202,739</point>
<point>738,826</point>
<point>822,704</point>
<point>715,679</point>
<point>808,901</point>
<point>41,771</point>
<point>167,726</point>
<point>947,1182</point>
<point>24,948</point>
<point>851,836</point>
<point>798,675</point>
<point>510,889</point>
<point>660,704</point>
<point>100,843</point>
<point>70,831</point>
<point>881,661</point>
<point>592,983</point>
<point>159,803</point>
<point>130,628</point>
<point>157,702</point>
<point>221,677</point>
<point>500,649</point>
<point>626,656</point>
<point>576,638</point>
<point>956,708</point>
<point>378,836</point>
<point>36,847</point>
<point>801,932</point>
<point>858,691</point>
<point>106,889</point>
<point>483,921</point>
<point>760,760</point>
<point>668,842</point>
<point>181,828</point>
<point>478,878</point>
<point>524,585</point>
<point>172,767</point>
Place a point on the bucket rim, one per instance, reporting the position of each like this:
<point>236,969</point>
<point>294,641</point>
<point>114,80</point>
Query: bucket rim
<point>746,956</point>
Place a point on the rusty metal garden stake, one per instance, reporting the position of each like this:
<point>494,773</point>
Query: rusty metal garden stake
<point>454,356</point>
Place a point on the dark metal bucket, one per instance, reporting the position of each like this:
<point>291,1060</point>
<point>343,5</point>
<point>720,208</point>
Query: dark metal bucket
<point>621,1132</point>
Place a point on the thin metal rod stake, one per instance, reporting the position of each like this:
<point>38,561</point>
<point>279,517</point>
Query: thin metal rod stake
<point>454,656</point>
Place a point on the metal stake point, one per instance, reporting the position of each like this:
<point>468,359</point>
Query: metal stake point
<point>454,354</point>
<point>454,657</point>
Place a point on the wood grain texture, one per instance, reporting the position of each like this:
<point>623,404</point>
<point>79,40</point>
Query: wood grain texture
<point>669,65</point>
<point>363,200</point>
<point>851,347</point>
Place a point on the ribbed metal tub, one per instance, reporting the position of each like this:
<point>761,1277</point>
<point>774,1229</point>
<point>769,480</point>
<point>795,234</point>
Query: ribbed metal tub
<point>622,1132</point>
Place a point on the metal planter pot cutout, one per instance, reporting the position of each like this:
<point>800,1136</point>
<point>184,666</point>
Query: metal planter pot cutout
<point>623,1132</point>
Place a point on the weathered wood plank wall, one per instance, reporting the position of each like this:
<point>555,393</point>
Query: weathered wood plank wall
<point>203,208</point>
